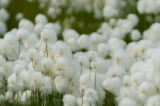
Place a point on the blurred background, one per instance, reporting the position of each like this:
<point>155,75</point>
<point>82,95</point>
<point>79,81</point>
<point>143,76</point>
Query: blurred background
<point>24,9</point>
<point>84,20</point>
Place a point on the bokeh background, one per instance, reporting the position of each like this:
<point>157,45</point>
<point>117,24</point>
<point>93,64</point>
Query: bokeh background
<point>84,22</point>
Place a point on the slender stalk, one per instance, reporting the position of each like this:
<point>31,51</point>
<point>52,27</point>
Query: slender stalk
<point>81,69</point>
<point>1,100</point>
<point>27,98</point>
<point>90,74</point>
<point>95,81</point>
<point>97,103</point>
<point>19,46</point>
<point>33,97</point>
<point>47,49</point>
<point>17,98</point>
<point>33,65</point>
<point>82,97</point>
<point>13,99</point>
<point>118,59</point>
<point>36,97</point>
<point>90,69</point>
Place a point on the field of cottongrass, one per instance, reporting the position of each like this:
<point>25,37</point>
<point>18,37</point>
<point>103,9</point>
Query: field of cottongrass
<point>79,53</point>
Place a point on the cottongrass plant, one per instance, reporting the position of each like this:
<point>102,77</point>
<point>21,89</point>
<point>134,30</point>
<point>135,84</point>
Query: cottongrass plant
<point>49,63</point>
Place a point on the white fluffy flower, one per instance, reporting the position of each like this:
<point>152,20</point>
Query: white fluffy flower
<point>48,36</point>
<point>61,84</point>
<point>25,77</point>
<point>92,55</point>
<point>18,68</point>
<point>153,100</point>
<point>128,102</point>
<point>112,85</point>
<point>116,71</point>
<point>40,18</point>
<point>38,28</point>
<point>4,3</point>
<point>84,41</point>
<point>22,34</point>
<point>47,64</point>
<point>12,82</point>
<point>63,67</point>
<point>3,15</point>
<point>2,72</point>
<point>26,24</point>
<point>135,35</point>
<point>99,65</point>
<point>91,94</point>
<point>109,11</point>
<point>53,26</point>
<point>146,89</point>
<point>33,55</point>
<point>84,84</point>
<point>9,95</point>
<point>3,28</point>
<point>103,50</point>
<point>69,100</point>
<point>46,86</point>
<point>26,95</point>
<point>37,78</point>
<point>69,33</point>
<point>19,16</point>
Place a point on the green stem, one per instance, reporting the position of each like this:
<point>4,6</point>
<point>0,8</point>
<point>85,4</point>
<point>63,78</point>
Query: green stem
<point>19,46</point>
<point>27,98</point>
<point>36,97</point>
<point>81,69</point>
<point>17,98</point>
<point>95,81</point>
<point>33,65</point>
<point>47,49</point>
<point>82,97</point>
<point>13,99</point>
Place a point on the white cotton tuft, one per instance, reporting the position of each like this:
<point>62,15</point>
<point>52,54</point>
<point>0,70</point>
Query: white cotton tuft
<point>135,35</point>
<point>48,36</point>
<point>3,15</point>
<point>18,68</point>
<point>116,71</point>
<point>112,85</point>
<point>99,65</point>
<point>109,12</point>
<point>2,72</point>
<point>54,27</point>
<point>146,89</point>
<point>26,96</point>
<point>47,64</point>
<point>91,95</point>
<point>37,78</point>
<point>69,33</point>
<point>92,55</point>
<point>3,28</point>
<point>26,24</point>
<point>103,50</point>
<point>46,86</point>
<point>69,100</point>
<point>40,18</point>
<point>153,101</point>
<point>83,41</point>
<point>9,95</point>
<point>128,102</point>
<point>33,55</point>
<point>61,84</point>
